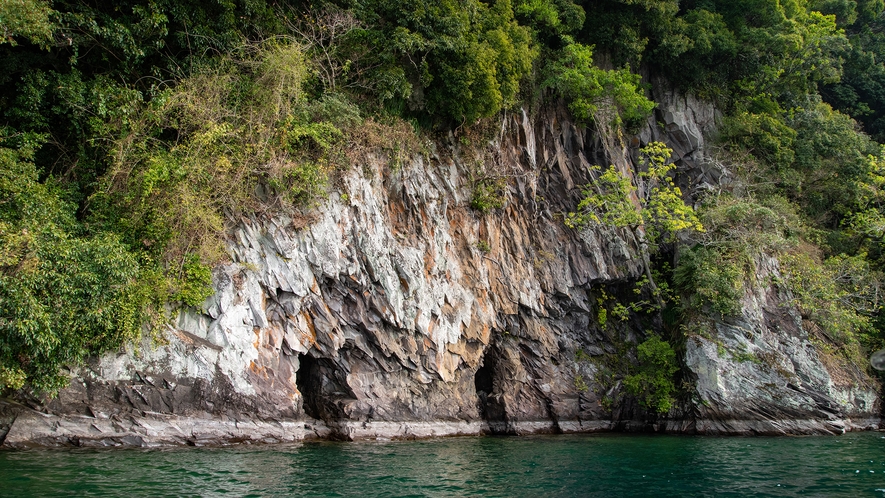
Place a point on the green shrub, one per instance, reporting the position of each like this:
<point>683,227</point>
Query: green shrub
<point>301,183</point>
<point>581,384</point>
<point>651,381</point>
<point>768,224</point>
<point>766,136</point>
<point>314,140</point>
<point>711,276</point>
<point>488,194</point>
<point>195,283</point>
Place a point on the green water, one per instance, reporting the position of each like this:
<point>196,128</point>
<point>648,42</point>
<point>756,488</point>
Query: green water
<point>579,465</point>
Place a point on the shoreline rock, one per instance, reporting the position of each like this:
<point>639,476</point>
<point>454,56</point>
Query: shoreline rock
<point>32,429</point>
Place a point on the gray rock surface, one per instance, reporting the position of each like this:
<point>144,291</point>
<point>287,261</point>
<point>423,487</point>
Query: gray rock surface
<point>760,373</point>
<point>380,316</point>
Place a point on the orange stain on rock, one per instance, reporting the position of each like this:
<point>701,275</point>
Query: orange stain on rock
<point>257,342</point>
<point>429,264</point>
<point>311,335</point>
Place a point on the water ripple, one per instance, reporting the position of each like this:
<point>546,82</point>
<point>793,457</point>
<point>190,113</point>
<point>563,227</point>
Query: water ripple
<point>555,466</point>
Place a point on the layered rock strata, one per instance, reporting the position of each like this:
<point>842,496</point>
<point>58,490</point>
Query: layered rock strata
<point>394,310</point>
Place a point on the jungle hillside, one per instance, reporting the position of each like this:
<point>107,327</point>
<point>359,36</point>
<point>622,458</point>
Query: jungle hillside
<point>133,133</point>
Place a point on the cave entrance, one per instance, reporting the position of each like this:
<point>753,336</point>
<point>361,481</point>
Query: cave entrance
<point>308,383</point>
<point>323,388</point>
<point>483,381</point>
<point>490,400</point>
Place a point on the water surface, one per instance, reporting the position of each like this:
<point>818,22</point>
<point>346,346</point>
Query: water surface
<point>570,465</point>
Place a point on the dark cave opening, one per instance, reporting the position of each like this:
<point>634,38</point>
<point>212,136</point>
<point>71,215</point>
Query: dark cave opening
<point>489,396</point>
<point>309,384</point>
<point>483,380</point>
<point>323,386</point>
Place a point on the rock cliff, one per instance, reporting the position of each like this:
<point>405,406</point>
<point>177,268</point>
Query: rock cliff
<point>395,310</point>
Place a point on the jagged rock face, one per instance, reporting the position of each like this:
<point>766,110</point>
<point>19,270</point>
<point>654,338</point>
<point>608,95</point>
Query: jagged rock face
<point>759,373</point>
<point>395,310</point>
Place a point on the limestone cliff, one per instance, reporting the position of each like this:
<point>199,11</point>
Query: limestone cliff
<point>395,310</point>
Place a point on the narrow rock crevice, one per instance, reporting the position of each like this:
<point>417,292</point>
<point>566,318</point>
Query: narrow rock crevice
<point>8,414</point>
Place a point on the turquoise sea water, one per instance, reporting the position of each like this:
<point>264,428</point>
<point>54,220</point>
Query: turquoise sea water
<point>566,465</point>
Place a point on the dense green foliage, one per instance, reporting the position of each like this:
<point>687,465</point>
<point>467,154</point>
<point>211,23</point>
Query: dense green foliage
<point>64,294</point>
<point>651,380</point>
<point>28,19</point>
<point>585,86</point>
<point>861,90</point>
<point>455,59</point>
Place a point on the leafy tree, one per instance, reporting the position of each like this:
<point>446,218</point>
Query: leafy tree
<point>726,49</point>
<point>653,208</point>
<point>585,86</point>
<point>831,158</point>
<point>63,294</point>
<point>868,218</point>
<point>861,91</point>
<point>654,203</point>
<point>457,60</point>
<point>552,21</point>
<point>28,19</point>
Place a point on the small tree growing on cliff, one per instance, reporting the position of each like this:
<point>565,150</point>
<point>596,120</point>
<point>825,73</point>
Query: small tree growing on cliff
<point>653,205</point>
<point>588,88</point>
<point>652,208</point>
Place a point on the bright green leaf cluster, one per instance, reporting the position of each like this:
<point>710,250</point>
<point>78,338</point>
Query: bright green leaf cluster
<point>656,204</point>
<point>585,86</point>
<point>651,381</point>
<point>608,201</point>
